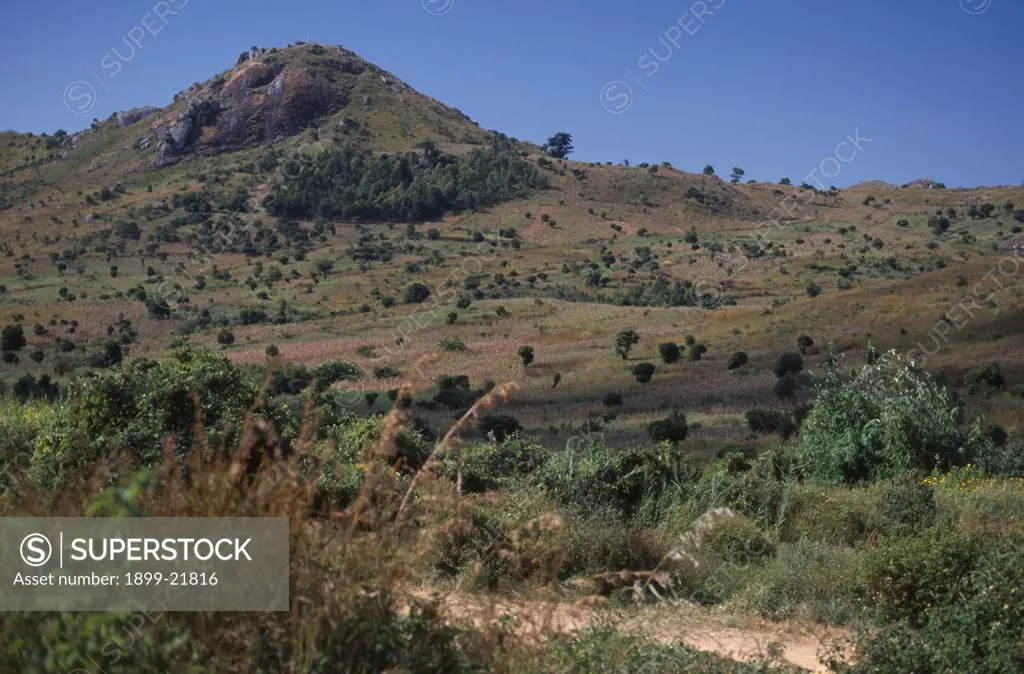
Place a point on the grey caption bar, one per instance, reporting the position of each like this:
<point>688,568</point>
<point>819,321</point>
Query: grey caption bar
<point>144,564</point>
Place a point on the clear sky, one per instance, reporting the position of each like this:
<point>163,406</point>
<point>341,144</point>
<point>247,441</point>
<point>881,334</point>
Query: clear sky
<point>773,87</point>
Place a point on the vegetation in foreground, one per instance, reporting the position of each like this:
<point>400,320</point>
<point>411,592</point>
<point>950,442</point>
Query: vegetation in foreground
<point>904,527</point>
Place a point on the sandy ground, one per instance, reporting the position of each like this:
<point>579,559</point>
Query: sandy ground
<point>737,637</point>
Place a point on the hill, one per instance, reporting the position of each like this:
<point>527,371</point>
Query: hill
<point>457,359</point>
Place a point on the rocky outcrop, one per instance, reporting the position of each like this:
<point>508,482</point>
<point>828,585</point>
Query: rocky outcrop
<point>129,117</point>
<point>176,137</point>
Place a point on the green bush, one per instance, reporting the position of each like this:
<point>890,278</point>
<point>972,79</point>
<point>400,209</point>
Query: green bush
<point>136,407</point>
<point>738,540</point>
<point>883,420</point>
<point>987,380</point>
<point>903,577</point>
<point>738,360</point>
<point>669,352</point>
<point>598,650</point>
<point>847,516</point>
<point>788,363</point>
<point>908,507</point>
<point>805,579</point>
<point>672,429</point>
<point>597,476</point>
<point>759,489</point>
<point>644,372</point>
<point>454,344</point>
<point>771,421</point>
<point>493,465</point>
<point>974,628</point>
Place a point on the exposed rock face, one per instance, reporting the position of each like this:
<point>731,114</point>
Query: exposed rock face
<point>129,117</point>
<point>254,115</point>
<point>180,133</point>
<point>175,138</point>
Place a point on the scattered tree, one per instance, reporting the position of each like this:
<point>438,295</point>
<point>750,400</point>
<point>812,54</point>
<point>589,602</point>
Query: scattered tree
<point>625,341</point>
<point>559,145</point>
<point>672,429</point>
<point>670,352</point>
<point>644,372</point>
<point>12,338</point>
<point>416,293</point>
<point>738,360</point>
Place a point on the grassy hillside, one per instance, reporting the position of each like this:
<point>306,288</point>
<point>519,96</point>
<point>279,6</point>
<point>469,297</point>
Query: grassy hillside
<point>668,340</point>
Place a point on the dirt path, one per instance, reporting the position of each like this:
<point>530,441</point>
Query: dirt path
<point>737,637</point>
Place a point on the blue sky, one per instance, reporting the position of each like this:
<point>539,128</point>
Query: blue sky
<point>773,87</point>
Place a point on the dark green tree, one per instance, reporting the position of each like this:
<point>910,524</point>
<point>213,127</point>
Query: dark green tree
<point>672,429</point>
<point>12,338</point>
<point>644,372</point>
<point>670,352</point>
<point>559,145</point>
<point>625,341</point>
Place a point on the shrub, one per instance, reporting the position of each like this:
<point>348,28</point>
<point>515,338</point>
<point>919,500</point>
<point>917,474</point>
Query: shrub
<point>335,371</point>
<point>987,380</point>
<point>908,506</point>
<point>788,387</point>
<point>805,578</point>
<point>846,516</point>
<point>597,476</point>
<point>500,426</point>
<point>110,356</point>
<point>673,429</point>
<point>139,405</point>
<point>416,293</point>
<point>788,363</point>
<point>771,421</point>
<point>738,540</point>
<point>644,372</point>
<point>804,343</point>
<point>697,352</point>
<point>497,465</point>
<point>903,577</point>
<point>974,628</point>
<point>738,360</point>
<point>612,400</point>
<point>525,354</point>
<point>225,338</point>
<point>12,338</point>
<point>670,353</point>
<point>882,420</point>
<point>452,344</point>
<point>386,372</point>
